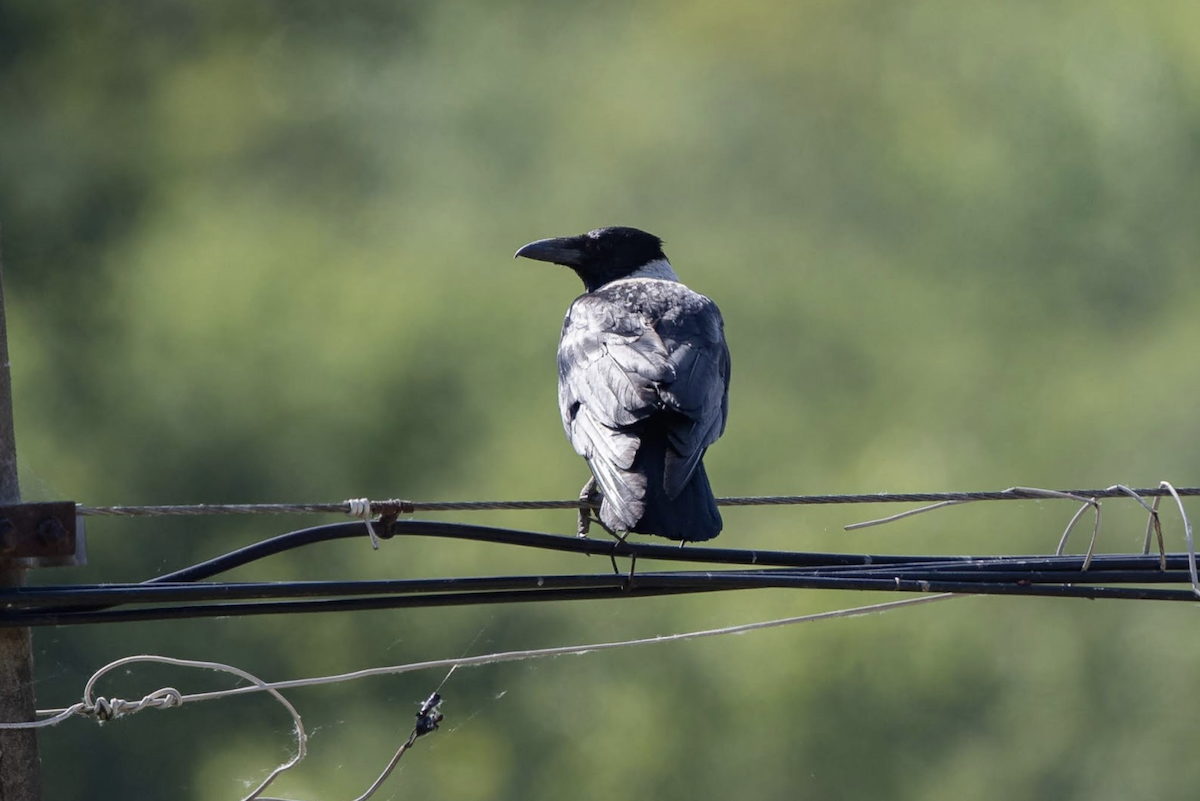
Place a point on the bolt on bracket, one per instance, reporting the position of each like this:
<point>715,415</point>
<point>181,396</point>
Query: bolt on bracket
<point>42,534</point>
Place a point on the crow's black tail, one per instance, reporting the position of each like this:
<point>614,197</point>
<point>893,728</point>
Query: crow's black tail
<point>692,516</point>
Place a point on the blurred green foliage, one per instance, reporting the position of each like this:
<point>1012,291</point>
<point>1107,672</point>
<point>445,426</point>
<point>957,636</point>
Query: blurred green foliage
<point>262,252</point>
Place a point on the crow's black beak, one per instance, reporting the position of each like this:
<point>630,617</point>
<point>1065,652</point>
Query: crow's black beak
<point>562,250</point>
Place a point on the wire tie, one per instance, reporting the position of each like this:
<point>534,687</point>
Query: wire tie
<point>390,510</point>
<point>361,507</point>
<point>104,709</point>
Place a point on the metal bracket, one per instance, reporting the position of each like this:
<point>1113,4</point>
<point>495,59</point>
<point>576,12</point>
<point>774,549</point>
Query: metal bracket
<point>42,535</point>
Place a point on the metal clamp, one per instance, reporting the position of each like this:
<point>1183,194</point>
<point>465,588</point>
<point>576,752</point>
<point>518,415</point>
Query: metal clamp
<point>42,534</point>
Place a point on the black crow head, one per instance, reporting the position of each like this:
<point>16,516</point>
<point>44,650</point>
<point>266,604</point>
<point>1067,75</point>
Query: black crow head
<point>599,256</point>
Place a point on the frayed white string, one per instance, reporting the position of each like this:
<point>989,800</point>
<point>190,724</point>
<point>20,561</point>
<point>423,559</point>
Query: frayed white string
<point>1020,492</point>
<point>1153,525</point>
<point>1187,534</point>
<point>361,507</point>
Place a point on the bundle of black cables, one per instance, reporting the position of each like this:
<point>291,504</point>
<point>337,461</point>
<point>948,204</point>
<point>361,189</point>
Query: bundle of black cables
<point>188,593</point>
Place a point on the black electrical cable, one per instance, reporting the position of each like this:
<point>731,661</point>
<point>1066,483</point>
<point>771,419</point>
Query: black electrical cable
<point>1061,576</point>
<point>1036,570</point>
<point>62,599</point>
<point>528,539</point>
<point>531,539</point>
<point>261,550</point>
<point>638,588</point>
<point>442,592</point>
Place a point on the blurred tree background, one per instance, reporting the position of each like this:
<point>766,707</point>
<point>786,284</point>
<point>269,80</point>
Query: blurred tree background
<point>261,252</point>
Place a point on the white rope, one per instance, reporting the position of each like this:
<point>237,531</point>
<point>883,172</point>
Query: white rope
<point>1017,492</point>
<point>1188,538</point>
<point>567,650</point>
<point>301,735</point>
<point>106,709</point>
<point>361,507</point>
<point>59,715</point>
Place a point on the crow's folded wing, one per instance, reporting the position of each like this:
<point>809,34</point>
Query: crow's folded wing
<point>699,392</point>
<point>618,368</point>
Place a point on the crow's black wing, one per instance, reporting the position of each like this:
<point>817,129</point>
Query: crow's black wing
<point>693,333</point>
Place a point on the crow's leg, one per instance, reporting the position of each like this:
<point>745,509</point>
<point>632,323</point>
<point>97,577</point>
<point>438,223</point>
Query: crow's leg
<point>589,496</point>
<point>612,556</point>
<point>629,577</point>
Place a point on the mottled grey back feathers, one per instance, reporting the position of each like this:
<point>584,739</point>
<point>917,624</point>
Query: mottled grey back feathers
<point>644,359</point>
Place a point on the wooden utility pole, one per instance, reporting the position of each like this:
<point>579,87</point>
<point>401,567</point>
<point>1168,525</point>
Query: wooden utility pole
<point>20,767</point>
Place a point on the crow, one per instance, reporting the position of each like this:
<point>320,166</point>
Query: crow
<point>643,383</point>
